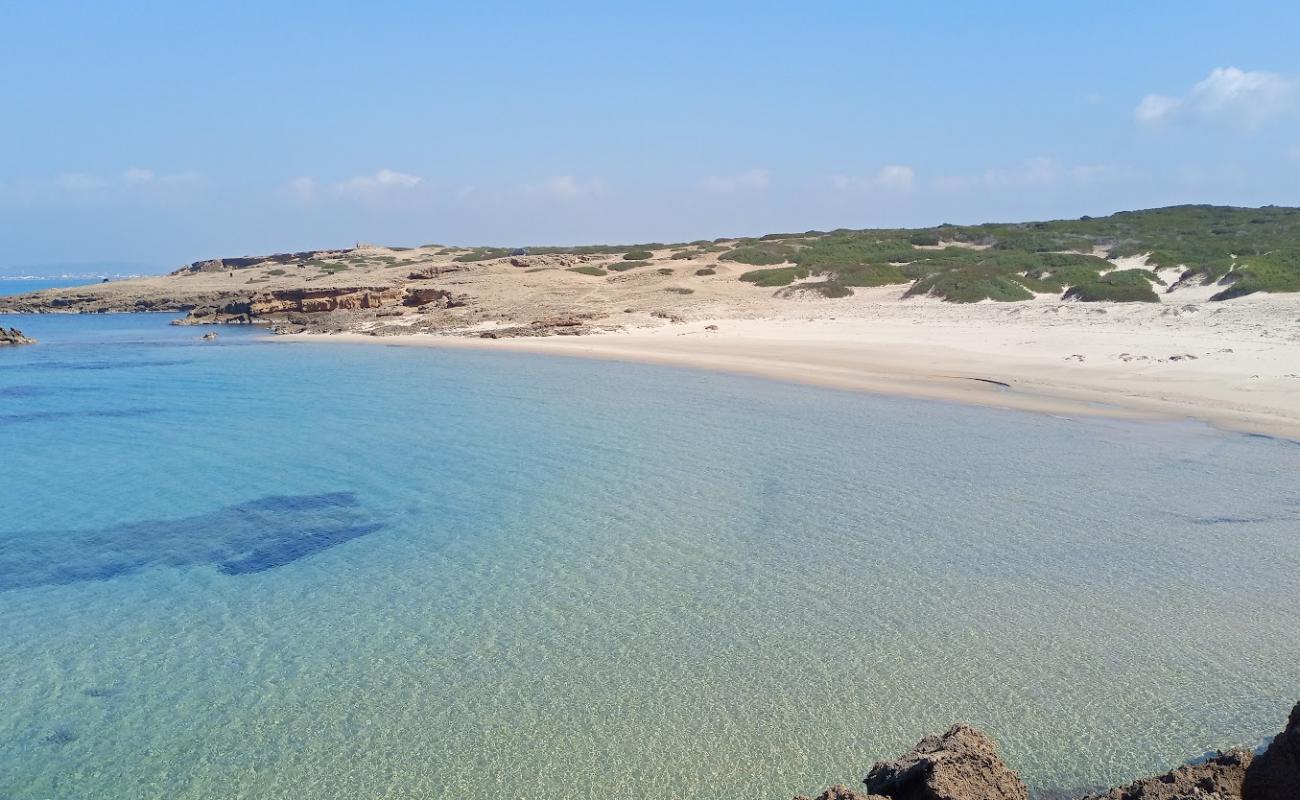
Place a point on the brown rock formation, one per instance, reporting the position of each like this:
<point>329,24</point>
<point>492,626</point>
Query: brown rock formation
<point>962,764</point>
<point>1275,773</point>
<point>14,336</point>
<point>422,296</point>
<point>1221,775</point>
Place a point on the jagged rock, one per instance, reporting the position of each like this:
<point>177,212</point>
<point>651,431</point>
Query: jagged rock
<point>210,336</point>
<point>839,792</point>
<point>421,297</point>
<point>962,764</point>
<point>1275,773</point>
<point>1220,775</point>
<point>14,336</point>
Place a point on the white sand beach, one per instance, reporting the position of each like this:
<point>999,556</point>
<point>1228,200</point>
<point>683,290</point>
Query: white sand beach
<point>1235,365</point>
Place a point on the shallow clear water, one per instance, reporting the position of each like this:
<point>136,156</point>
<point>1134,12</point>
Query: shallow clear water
<point>267,570</point>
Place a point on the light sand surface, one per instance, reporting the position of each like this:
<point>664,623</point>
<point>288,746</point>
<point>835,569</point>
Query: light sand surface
<point>1235,365</point>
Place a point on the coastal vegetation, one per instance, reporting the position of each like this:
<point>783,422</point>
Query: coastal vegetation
<point>760,254</point>
<point>1242,250</point>
<point>780,276</point>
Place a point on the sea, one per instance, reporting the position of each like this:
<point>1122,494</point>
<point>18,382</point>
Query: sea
<point>256,569</point>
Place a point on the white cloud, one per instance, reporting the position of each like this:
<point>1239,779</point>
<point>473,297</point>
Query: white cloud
<point>370,185</point>
<point>565,187</point>
<point>753,180</point>
<point>137,175</point>
<point>893,178</point>
<point>1228,96</point>
<point>897,177</point>
<point>302,187</point>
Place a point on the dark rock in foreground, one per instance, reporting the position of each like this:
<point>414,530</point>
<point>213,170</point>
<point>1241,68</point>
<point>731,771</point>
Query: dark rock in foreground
<point>14,336</point>
<point>1275,773</point>
<point>1220,776</point>
<point>962,764</point>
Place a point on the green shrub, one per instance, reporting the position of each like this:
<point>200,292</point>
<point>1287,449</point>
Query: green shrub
<point>624,266</point>
<point>637,255</point>
<point>761,254</point>
<point>665,271</point>
<point>588,271</point>
<point>483,254</point>
<point>781,276</point>
<point>276,272</point>
<point>970,285</point>
<point>679,290</point>
<point>924,238</point>
<point>683,256</point>
<point>870,275</point>
<point>706,271</point>
<point>1121,286</point>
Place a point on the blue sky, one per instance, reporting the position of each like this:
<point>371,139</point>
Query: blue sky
<point>161,133</point>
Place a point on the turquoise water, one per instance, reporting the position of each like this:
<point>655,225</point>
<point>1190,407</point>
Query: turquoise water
<point>267,570</point>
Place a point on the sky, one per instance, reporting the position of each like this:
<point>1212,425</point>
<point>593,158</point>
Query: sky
<point>140,136</point>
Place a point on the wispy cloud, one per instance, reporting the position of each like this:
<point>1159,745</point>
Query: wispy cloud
<point>137,175</point>
<point>301,188</point>
<point>893,177</point>
<point>1040,172</point>
<point>565,187</point>
<point>140,176</point>
<point>752,180</point>
<point>1228,96</point>
<point>372,185</point>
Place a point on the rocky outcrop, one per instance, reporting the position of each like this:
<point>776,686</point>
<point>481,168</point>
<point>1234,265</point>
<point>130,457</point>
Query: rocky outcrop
<point>1275,773</point>
<point>962,764</point>
<point>552,260</point>
<point>423,296</point>
<point>1220,776</point>
<point>263,306</point>
<point>231,264</point>
<point>14,336</point>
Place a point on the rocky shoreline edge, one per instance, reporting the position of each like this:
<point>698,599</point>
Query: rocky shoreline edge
<point>963,764</point>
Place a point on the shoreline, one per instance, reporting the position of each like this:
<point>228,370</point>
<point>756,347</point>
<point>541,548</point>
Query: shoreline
<point>869,356</point>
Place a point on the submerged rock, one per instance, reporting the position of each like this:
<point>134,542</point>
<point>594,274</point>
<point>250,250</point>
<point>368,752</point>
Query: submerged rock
<point>1275,773</point>
<point>839,792</point>
<point>962,764</point>
<point>14,336</point>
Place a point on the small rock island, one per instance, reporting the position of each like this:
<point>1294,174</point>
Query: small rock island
<point>14,336</point>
